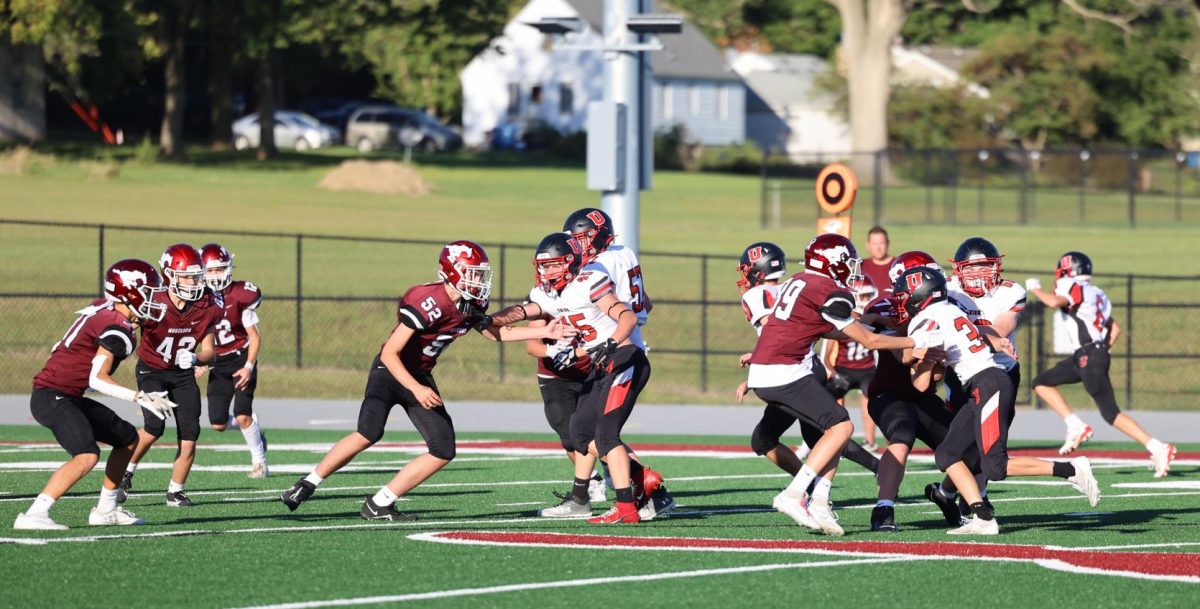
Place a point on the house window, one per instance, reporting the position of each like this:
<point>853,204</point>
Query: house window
<point>667,101</point>
<point>535,94</point>
<point>514,99</point>
<point>723,103</point>
<point>693,99</point>
<point>566,98</point>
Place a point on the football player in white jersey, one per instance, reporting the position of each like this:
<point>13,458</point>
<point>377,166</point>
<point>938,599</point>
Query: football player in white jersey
<point>995,305</point>
<point>594,231</point>
<point>981,426</point>
<point>1085,328</point>
<point>586,300</point>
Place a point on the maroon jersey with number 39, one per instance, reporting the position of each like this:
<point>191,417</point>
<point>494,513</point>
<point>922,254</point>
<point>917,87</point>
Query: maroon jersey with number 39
<point>179,330</point>
<point>70,363</point>
<point>797,320</point>
<point>239,297</point>
<point>436,322</point>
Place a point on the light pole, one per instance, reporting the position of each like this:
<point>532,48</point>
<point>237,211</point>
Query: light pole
<point>620,147</point>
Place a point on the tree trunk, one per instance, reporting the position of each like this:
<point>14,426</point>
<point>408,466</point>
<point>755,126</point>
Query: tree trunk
<point>868,28</point>
<point>173,29</point>
<point>266,107</point>
<point>220,77</point>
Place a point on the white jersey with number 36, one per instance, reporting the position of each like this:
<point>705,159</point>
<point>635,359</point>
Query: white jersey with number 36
<point>967,352</point>
<point>576,306</point>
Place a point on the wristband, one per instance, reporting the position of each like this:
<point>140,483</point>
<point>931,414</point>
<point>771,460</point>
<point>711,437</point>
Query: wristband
<point>249,366</point>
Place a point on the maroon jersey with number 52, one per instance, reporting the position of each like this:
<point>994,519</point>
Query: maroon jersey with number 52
<point>180,330</point>
<point>240,298</point>
<point>436,322</point>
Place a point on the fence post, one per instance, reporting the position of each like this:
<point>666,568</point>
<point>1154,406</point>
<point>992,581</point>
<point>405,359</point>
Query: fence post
<point>776,204</point>
<point>878,184</point>
<point>1023,200</point>
<point>1084,155</point>
<point>299,299</point>
<point>928,186</point>
<point>762,190</point>
<point>499,344</point>
<point>100,261</point>
<point>1180,159</point>
<point>1037,354</point>
<point>1133,157</point>
<point>704,323</point>
<point>1129,344</point>
<point>982,155</point>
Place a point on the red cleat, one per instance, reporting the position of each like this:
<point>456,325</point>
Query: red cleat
<point>621,512</point>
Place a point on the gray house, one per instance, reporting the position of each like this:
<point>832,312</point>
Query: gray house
<point>520,78</point>
<point>22,97</point>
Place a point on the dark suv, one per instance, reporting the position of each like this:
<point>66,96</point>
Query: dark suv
<point>374,127</point>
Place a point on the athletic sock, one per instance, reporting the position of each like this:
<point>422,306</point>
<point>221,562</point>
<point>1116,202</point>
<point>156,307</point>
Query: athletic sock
<point>1063,469</point>
<point>981,510</point>
<point>174,487</point>
<point>313,479</point>
<point>132,467</point>
<point>41,505</point>
<point>1073,421</point>
<point>579,490</point>
<point>799,484</point>
<point>885,503</point>
<point>108,500</point>
<point>1154,445</point>
<point>821,492</point>
<point>253,436</point>
<point>625,495</point>
<point>385,497</point>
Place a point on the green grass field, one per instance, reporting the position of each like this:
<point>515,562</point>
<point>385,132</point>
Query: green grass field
<point>240,547</point>
<point>515,200</point>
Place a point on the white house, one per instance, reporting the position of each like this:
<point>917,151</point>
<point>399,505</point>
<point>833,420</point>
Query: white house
<point>520,78</point>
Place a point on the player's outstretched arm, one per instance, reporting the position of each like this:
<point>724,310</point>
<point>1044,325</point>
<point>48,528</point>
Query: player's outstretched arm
<point>555,331</point>
<point>878,342</point>
<point>536,348</point>
<point>100,380</point>
<point>1050,299</point>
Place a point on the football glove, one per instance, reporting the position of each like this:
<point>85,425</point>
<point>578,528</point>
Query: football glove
<point>156,402</point>
<point>185,359</point>
<point>837,385</point>
<point>925,340</point>
<point>602,353</point>
<point>564,359</point>
<point>479,320</point>
<point>1033,283</point>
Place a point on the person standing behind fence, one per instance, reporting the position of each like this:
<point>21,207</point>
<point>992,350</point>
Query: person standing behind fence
<point>1085,314</point>
<point>876,267</point>
<point>234,374</point>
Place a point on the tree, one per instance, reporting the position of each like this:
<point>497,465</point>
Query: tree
<point>172,18</point>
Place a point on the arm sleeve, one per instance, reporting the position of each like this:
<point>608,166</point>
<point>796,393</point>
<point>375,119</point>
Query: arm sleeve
<point>118,340</point>
<point>838,309</point>
<point>105,387</point>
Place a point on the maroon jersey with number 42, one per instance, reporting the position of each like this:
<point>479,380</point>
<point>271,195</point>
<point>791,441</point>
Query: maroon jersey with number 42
<point>180,330</point>
<point>239,297</point>
<point>436,322</point>
<point>70,363</point>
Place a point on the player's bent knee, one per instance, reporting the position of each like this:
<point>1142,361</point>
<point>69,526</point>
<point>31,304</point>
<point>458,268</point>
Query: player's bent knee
<point>1109,412</point>
<point>443,452</point>
<point>995,469</point>
<point>944,459</point>
<point>762,443</point>
<point>87,460</point>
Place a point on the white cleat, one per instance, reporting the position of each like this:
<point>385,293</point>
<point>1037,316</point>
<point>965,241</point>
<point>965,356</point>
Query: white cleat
<point>795,508</point>
<point>977,526</point>
<point>115,516</point>
<point>597,491</point>
<point>567,509</point>
<point>1075,437</point>
<point>1084,481</point>
<point>258,471</point>
<point>37,522</point>
<point>822,512</point>
<point>1161,460</point>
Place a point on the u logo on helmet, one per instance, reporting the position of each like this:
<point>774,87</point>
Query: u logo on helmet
<point>755,253</point>
<point>596,217</point>
<point>916,280</point>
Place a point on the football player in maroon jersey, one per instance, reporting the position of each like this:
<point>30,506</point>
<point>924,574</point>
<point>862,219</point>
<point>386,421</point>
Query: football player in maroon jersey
<point>166,357</point>
<point>430,317</point>
<point>814,303</point>
<point>853,365</point>
<point>85,358</point>
<point>234,374</point>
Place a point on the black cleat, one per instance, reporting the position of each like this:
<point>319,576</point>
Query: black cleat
<point>179,499</point>
<point>933,492</point>
<point>124,487</point>
<point>883,519</point>
<point>372,511</point>
<point>299,493</point>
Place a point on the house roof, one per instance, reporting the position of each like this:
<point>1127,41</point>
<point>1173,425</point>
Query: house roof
<point>784,81</point>
<point>688,54</point>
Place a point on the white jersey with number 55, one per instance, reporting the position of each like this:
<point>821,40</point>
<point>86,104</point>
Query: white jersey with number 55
<point>576,306</point>
<point>967,352</point>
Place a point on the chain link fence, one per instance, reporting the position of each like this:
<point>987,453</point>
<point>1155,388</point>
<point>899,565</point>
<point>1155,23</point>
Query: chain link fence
<point>995,186</point>
<point>329,303</point>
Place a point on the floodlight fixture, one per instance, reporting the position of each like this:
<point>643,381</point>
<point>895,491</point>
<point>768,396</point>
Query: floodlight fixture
<point>663,23</point>
<point>557,25</point>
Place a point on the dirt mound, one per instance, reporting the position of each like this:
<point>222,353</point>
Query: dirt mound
<point>381,177</point>
<point>21,159</point>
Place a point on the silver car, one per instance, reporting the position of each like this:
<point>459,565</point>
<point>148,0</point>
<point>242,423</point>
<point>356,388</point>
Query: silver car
<point>292,130</point>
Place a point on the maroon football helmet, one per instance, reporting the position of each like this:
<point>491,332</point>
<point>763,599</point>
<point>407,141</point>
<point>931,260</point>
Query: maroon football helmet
<point>909,260</point>
<point>184,271</point>
<point>864,291</point>
<point>133,283</point>
<point>218,266</point>
<point>833,256</point>
<point>464,265</point>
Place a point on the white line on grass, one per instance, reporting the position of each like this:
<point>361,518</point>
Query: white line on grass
<point>572,583</point>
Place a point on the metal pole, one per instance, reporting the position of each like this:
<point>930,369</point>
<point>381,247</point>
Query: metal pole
<point>979,213</point>
<point>499,344</point>
<point>703,323</point>
<point>1178,188</point>
<point>878,185</point>
<point>1038,324</point>
<point>299,298</point>
<point>1129,344</point>
<point>1133,157</point>
<point>928,187</point>
<point>776,204</point>
<point>100,260</point>
<point>762,189</point>
<point>1082,187</point>
<point>623,84</point>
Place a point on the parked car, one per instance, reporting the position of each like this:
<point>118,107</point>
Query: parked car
<point>337,110</point>
<point>292,130</point>
<point>381,126</point>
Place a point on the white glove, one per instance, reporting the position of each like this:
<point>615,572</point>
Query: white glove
<point>555,348</point>
<point>185,359</point>
<point>925,340</point>
<point>1033,283</point>
<point>156,402</point>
